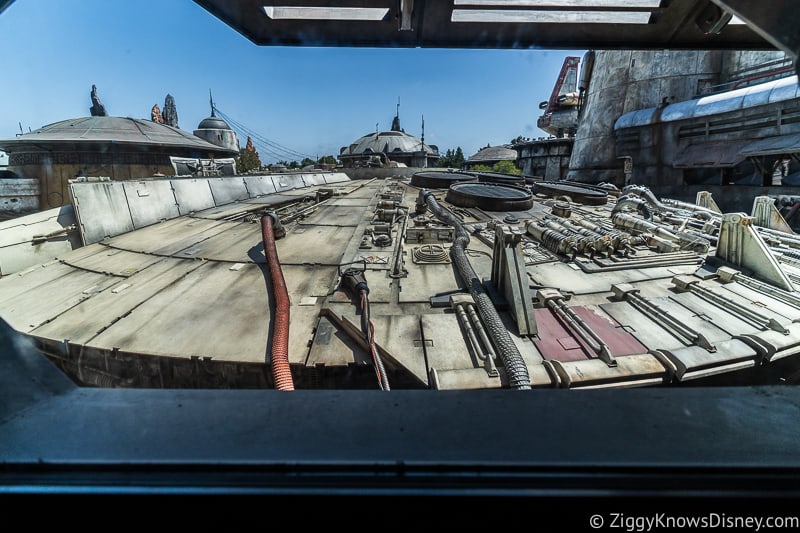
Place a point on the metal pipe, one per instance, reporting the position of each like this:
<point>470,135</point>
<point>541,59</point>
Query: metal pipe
<point>476,322</point>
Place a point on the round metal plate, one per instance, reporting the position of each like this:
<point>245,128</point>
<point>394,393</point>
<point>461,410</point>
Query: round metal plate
<point>490,196</point>
<point>580,193</point>
<point>439,179</point>
<point>500,177</point>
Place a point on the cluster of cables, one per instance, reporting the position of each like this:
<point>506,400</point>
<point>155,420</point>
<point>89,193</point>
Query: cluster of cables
<point>353,279</point>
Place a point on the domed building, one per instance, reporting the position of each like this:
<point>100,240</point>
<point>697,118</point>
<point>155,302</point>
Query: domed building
<point>389,148</point>
<point>491,155</point>
<point>216,131</point>
<point>121,148</point>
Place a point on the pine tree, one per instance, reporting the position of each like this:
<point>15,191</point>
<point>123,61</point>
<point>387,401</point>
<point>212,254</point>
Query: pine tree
<point>248,158</point>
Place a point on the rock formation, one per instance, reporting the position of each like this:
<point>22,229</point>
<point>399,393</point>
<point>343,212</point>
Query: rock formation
<point>170,114</point>
<point>97,109</point>
<point>155,115</point>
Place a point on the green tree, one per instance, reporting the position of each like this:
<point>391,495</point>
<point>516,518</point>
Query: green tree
<point>247,161</point>
<point>248,158</point>
<point>506,167</point>
<point>501,167</point>
<point>452,159</point>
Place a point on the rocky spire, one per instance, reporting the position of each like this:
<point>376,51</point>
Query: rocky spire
<point>155,115</point>
<point>170,114</point>
<point>97,109</point>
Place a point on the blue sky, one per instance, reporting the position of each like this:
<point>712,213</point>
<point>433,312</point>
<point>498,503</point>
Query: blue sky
<point>311,101</point>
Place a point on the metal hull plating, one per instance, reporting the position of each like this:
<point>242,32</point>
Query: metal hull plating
<point>173,290</point>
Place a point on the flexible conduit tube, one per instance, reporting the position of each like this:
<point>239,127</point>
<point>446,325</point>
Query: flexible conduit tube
<point>369,330</point>
<point>279,359</point>
<point>515,366</point>
<point>639,204</point>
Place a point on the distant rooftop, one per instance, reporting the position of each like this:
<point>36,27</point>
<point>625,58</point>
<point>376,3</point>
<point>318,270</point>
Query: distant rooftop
<point>116,130</point>
<point>493,154</point>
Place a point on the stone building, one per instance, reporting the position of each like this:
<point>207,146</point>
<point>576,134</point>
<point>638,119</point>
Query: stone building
<point>115,147</point>
<point>217,132</point>
<point>545,158</point>
<point>389,148</point>
<point>490,155</point>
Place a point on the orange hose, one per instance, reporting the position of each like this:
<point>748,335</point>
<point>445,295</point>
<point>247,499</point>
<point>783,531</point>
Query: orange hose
<point>279,359</point>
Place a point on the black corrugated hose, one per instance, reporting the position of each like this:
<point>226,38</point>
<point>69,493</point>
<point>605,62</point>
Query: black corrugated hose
<point>355,282</point>
<point>516,369</point>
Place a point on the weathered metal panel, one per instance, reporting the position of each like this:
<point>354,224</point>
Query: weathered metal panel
<point>554,341</point>
<point>229,210</point>
<point>104,260</point>
<point>333,347</point>
<point>786,311</point>
<point>41,293</point>
<point>620,342</point>
<point>303,321</point>
<point>170,237</point>
<point>784,144</point>
<point>313,179</point>
<point>333,215</point>
<point>192,195</point>
<point>18,196</point>
<point>227,190</point>
<point>693,362</point>
<point>632,370</point>
<point>19,246</point>
<point>81,323</point>
<point>101,209</point>
<point>425,281</point>
<point>305,282</point>
<point>336,177</point>
<point>231,303</point>
<point>322,245</point>
<point>724,318</point>
<point>239,242</point>
<point>446,346</point>
<point>349,202</point>
<point>402,337</point>
<point>571,278</point>
<point>773,345</point>
<point>712,154</point>
<point>285,182</point>
<point>150,202</point>
<point>259,185</point>
<point>643,328</point>
<point>365,190</point>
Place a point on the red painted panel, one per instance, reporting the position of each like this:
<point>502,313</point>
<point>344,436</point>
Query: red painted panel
<point>554,341</point>
<point>557,342</point>
<point>619,341</point>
